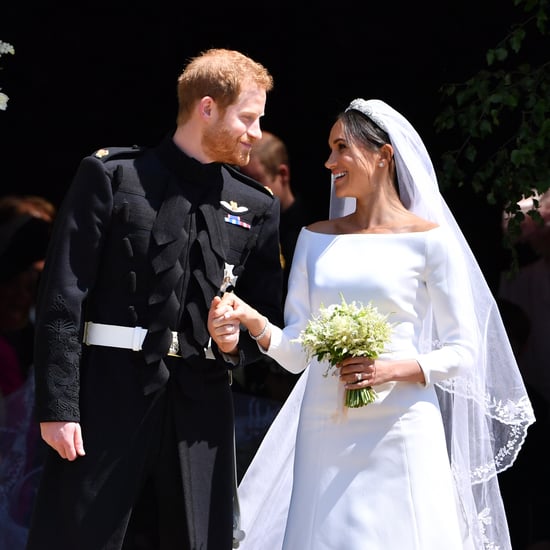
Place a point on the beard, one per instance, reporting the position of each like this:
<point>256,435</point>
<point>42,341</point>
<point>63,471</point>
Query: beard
<point>221,145</point>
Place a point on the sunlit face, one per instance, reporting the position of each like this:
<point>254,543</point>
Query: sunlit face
<point>352,167</point>
<point>229,137</point>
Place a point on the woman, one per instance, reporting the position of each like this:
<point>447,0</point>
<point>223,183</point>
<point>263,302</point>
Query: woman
<point>417,468</point>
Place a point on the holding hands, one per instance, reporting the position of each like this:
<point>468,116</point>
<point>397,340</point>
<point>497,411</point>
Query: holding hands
<point>225,317</point>
<point>229,313</point>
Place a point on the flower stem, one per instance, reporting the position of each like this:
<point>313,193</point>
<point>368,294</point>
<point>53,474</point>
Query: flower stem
<point>360,397</point>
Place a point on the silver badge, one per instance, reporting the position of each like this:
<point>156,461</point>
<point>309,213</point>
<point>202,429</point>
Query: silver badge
<point>229,280</point>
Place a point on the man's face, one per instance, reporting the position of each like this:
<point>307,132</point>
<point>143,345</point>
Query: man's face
<point>230,135</point>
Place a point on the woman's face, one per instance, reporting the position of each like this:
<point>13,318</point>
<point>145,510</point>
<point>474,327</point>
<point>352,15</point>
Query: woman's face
<point>352,167</point>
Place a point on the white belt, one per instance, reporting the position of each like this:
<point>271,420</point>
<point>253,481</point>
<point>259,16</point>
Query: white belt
<point>116,336</point>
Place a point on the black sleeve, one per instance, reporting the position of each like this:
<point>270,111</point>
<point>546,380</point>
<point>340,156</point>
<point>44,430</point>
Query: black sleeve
<point>69,274</point>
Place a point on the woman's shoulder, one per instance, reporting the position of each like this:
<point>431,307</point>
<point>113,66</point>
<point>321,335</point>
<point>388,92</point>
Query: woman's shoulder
<point>415,224</point>
<point>329,227</point>
<point>345,225</point>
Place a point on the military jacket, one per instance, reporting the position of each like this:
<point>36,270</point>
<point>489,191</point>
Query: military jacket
<point>143,238</point>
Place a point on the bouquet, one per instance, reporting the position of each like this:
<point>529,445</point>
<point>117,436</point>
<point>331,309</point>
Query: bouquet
<point>344,330</point>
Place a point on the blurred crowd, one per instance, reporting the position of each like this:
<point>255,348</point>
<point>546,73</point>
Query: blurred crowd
<point>524,301</point>
<point>25,225</point>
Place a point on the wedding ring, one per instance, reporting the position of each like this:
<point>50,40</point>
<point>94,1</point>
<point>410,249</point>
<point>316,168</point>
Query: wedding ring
<point>359,376</point>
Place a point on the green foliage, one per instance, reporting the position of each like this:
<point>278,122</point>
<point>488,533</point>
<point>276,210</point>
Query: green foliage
<point>500,118</point>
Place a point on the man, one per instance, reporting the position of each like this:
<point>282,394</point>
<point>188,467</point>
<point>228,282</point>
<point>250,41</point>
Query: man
<point>132,400</point>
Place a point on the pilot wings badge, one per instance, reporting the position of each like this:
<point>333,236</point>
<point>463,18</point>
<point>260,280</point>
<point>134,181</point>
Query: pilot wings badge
<point>232,206</point>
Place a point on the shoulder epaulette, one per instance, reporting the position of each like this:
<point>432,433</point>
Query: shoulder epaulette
<point>236,172</point>
<point>118,153</point>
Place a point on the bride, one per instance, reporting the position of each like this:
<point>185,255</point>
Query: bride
<point>416,469</point>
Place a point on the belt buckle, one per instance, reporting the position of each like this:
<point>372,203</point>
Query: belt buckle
<point>85,333</point>
<point>174,350</point>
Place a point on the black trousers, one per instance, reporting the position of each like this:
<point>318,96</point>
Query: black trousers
<point>157,474</point>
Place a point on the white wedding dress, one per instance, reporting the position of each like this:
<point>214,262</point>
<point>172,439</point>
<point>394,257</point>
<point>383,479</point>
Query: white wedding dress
<point>376,477</point>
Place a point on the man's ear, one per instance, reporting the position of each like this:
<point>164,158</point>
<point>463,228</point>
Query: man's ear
<point>206,107</point>
<point>284,172</point>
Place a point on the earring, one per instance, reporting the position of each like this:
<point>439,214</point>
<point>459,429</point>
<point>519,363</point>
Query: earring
<point>381,164</point>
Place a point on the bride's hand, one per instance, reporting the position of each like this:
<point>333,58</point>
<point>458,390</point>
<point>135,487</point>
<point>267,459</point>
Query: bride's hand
<point>358,372</point>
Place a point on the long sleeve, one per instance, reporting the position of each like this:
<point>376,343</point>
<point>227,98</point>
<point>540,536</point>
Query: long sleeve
<point>70,269</point>
<point>452,307</point>
<point>284,348</point>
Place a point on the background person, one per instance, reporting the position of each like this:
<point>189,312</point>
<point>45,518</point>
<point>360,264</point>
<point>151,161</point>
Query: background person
<point>527,485</point>
<point>270,165</point>
<point>25,226</point>
<point>262,387</point>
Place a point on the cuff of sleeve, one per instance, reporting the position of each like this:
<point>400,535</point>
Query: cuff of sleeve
<point>443,364</point>
<point>276,338</point>
<point>424,364</point>
<point>209,353</point>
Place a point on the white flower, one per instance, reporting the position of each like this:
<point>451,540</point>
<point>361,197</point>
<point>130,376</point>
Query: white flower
<point>347,330</point>
<point>3,101</point>
<point>4,49</point>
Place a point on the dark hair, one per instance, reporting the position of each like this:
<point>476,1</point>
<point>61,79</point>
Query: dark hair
<point>360,130</point>
<point>23,241</point>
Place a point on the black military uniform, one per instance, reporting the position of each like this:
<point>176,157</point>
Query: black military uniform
<point>143,239</point>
